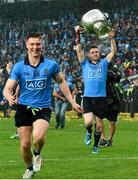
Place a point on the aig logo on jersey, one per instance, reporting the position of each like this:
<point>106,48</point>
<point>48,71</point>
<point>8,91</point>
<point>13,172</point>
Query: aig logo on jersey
<point>36,84</point>
<point>94,73</point>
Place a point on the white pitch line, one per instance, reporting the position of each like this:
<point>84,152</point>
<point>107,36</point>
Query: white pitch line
<point>116,158</point>
<point>79,159</point>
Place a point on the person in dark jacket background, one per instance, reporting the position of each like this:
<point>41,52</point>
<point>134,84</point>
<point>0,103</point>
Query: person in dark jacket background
<point>114,97</point>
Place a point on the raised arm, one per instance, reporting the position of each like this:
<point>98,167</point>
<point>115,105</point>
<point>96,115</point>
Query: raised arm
<point>79,50</point>
<point>113,52</point>
<point>65,90</point>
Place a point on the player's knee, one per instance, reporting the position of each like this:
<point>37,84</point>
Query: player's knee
<point>88,124</point>
<point>26,145</point>
<point>39,140</point>
<point>99,127</point>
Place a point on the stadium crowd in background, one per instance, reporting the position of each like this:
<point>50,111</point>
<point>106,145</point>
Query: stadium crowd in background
<point>57,29</point>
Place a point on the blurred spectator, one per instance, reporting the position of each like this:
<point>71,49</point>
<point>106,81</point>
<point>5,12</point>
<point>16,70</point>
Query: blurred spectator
<point>4,107</point>
<point>134,99</point>
<point>78,94</point>
<point>61,104</point>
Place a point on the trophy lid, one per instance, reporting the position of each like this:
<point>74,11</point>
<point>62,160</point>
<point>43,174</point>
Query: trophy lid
<point>92,16</point>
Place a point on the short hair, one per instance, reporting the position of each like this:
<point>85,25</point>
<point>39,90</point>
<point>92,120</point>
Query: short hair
<point>33,35</point>
<point>93,46</point>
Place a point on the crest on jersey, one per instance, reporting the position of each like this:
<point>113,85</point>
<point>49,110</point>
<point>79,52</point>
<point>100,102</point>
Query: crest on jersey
<point>46,71</point>
<point>36,73</point>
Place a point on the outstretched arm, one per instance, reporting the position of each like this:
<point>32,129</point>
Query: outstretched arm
<point>79,50</point>
<point>113,52</point>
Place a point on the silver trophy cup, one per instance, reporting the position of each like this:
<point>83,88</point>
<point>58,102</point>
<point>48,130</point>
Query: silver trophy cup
<point>96,22</point>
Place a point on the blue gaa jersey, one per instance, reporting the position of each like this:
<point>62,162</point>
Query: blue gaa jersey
<point>35,82</point>
<point>95,77</point>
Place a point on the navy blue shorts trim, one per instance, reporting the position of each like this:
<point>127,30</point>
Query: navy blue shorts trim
<point>25,116</point>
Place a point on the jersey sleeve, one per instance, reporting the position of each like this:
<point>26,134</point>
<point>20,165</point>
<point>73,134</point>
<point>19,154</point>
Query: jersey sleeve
<point>84,61</point>
<point>106,61</point>
<point>14,74</point>
<point>56,69</point>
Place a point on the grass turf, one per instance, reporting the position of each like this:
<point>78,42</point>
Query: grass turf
<point>65,155</point>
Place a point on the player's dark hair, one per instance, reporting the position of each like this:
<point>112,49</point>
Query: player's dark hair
<point>93,46</point>
<point>33,35</point>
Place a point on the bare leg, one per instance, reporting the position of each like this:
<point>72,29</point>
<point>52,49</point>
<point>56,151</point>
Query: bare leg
<point>25,133</point>
<point>40,128</point>
<point>103,136</point>
<point>88,119</point>
<point>112,129</point>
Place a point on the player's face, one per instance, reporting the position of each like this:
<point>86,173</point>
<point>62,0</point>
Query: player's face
<point>34,46</point>
<point>94,54</point>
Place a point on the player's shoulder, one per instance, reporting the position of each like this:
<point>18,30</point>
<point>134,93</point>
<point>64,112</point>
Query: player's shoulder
<point>49,61</point>
<point>18,63</point>
<point>104,60</point>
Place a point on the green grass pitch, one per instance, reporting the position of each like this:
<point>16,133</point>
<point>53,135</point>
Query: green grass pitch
<point>65,155</point>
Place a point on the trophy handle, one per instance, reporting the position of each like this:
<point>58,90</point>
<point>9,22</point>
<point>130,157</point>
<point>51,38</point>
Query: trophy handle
<point>82,30</point>
<point>103,32</point>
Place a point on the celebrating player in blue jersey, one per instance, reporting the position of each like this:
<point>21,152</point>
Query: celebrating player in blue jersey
<point>95,75</point>
<point>34,75</point>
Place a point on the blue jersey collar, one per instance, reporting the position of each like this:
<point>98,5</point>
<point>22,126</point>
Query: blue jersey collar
<point>94,63</point>
<point>26,61</point>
